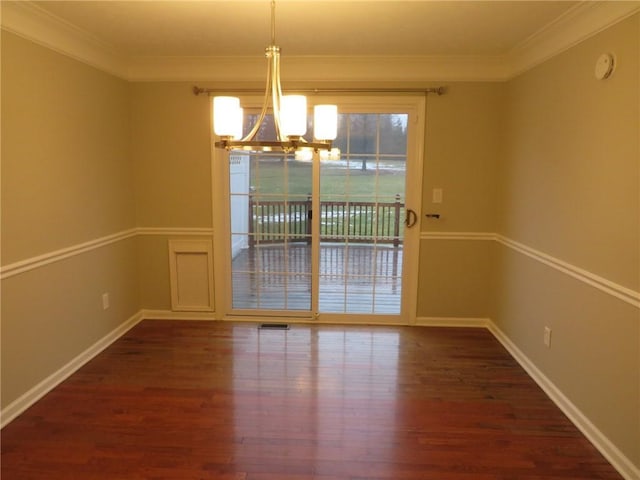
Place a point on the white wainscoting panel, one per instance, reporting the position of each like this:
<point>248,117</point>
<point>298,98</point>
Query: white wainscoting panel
<point>191,275</point>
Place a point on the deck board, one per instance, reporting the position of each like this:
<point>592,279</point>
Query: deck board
<point>354,278</point>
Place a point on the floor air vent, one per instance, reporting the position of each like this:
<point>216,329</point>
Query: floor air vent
<point>274,326</point>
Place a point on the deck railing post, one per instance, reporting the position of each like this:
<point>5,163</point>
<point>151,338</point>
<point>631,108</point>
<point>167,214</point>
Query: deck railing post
<point>309,209</point>
<point>252,240</point>
<point>396,222</point>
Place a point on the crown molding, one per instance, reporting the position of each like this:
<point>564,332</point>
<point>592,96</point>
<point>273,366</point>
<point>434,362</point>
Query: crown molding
<point>29,21</point>
<point>321,68</point>
<point>577,24</point>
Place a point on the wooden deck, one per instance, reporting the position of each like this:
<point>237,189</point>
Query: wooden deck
<point>360,278</point>
<point>178,400</point>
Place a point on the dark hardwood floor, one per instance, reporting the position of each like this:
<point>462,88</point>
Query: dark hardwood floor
<point>211,400</point>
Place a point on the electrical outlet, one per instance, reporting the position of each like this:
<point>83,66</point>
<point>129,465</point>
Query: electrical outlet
<point>547,337</point>
<point>105,300</point>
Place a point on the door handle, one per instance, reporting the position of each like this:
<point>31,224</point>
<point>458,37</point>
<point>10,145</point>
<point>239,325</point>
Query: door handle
<point>411,218</point>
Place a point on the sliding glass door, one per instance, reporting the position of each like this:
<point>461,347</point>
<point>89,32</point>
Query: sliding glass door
<point>325,235</point>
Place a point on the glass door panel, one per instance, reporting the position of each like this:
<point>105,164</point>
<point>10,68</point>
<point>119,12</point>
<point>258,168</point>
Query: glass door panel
<point>270,231</point>
<point>362,201</point>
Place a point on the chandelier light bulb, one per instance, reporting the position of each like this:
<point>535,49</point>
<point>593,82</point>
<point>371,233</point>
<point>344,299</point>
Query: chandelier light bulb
<point>325,122</point>
<point>227,117</point>
<point>293,115</point>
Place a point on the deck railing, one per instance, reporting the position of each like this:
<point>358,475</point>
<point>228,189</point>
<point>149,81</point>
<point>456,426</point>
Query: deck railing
<point>365,222</point>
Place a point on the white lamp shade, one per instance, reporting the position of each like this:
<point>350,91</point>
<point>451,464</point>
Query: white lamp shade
<point>227,117</point>
<point>293,115</point>
<point>325,122</point>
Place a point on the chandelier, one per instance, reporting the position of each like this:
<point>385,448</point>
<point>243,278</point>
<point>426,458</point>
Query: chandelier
<point>289,115</point>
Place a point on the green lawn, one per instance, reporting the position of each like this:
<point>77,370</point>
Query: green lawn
<point>273,177</point>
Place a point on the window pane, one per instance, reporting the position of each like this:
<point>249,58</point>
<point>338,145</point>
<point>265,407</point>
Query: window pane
<point>363,138</point>
<point>393,134</point>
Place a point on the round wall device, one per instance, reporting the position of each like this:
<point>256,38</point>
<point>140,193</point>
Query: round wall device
<point>604,66</point>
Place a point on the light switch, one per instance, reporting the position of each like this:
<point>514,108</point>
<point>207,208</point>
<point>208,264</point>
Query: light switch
<point>437,195</point>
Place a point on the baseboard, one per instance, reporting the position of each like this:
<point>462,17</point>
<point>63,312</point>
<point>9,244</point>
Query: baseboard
<point>15,408</point>
<point>452,322</point>
<point>170,315</point>
<point>420,321</point>
<point>618,460</point>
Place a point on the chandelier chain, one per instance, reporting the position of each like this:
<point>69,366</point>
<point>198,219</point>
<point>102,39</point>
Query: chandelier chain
<point>273,22</point>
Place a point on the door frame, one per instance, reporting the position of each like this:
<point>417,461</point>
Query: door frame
<point>412,104</point>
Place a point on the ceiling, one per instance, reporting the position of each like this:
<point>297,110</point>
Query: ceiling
<point>152,38</point>
<point>309,27</point>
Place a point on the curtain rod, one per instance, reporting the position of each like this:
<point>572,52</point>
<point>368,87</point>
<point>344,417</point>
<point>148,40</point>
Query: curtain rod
<point>437,90</point>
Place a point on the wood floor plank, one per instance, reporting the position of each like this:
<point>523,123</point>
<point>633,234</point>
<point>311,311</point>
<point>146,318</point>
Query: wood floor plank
<point>213,400</point>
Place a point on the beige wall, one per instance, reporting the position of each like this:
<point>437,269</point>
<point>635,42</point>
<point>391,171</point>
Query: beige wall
<point>171,152</point>
<point>462,148</point>
<point>51,314</point>
<point>463,145</point>
<point>66,180</point>
<point>453,279</point>
<point>570,188</point>
<point>572,158</point>
<point>171,155</point>
<point>153,267</point>
<point>66,173</point>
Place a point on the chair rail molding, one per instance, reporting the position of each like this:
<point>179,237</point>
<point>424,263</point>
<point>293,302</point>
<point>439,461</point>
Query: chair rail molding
<point>38,261</point>
<point>619,291</point>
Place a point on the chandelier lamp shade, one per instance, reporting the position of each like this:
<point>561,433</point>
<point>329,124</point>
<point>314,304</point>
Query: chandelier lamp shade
<point>289,115</point>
